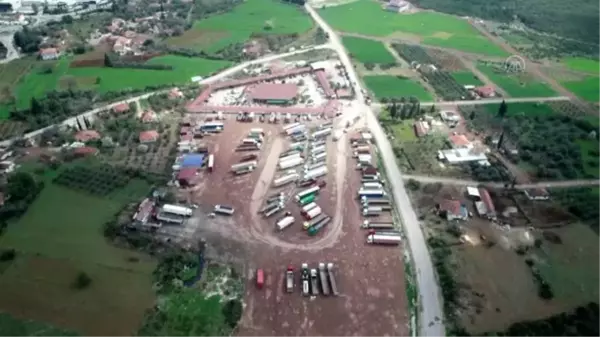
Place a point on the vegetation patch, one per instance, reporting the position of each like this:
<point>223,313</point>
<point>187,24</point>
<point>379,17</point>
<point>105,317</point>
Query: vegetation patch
<point>587,89</point>
<point>369,18</point>
<point>387,87</point>
<point>582,64</point>
<point>11,326</point>
<point>466,78</point>
<point>368,51</point>
<point>516,85</point>
<point>254,17</point>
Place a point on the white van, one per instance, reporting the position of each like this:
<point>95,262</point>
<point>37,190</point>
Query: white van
<point>225,210</point>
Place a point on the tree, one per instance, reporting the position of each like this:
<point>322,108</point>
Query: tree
<point>107,60</point>
<point>432,110</point>
<point>20,185</point>
<point>472,115</point>
<point>82,281</point>
<point>502,109</point>
<point>500,140</point>
<point>232,312</point>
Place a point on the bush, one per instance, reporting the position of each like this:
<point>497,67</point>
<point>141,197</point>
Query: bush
<point>413,185</point>
<point>82,281</point>
<point>232,312</point>
<point>8,255</point>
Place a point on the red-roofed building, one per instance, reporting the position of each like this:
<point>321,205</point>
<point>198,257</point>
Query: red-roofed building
<point>175,93</point>
<point>148,136</point>
<point>488,210</point>
<point>453,210</point>
<point>87,135</point>
<point>274,93</point>
<point>188,176</point>
<point>486,91</point>
<point>343,93</point>
<point>49,54</point>
<point>121,108</point>
<point>186,138</point>
<point>85,151</point>
<point>144,211</point>
<point>421,128</point>
<point>324,82</point>
<point>460,142</point>
<point>148,117</point>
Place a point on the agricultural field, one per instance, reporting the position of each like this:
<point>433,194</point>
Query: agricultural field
<point>442,81</point>
<point>250,17</point>
<point>60,237</point>
<point>516,85</point>
<point>582,64</point>
<point>367,51</point>
<point>388,87</point>
<point>367,17</point>
<point>587,89</point>
<point>466,78</point>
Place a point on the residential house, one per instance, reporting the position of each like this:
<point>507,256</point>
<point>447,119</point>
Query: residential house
<point>121,108</point>
<point>397,6</point>
<point>85,151</point>
<point>460,141</point>
<point>149,136</point>
<point>450,117</point>
<point>175,93</point>
<point>344,93</point>
<point>49,54</point>
<point>421,128</point>
<point>148,117</point>
<point>537,194</point>
<point>188,176</point>
<point>486,91</point>
<point>87,135</point>
<point>463,155</point>
<point>452,210</point>
<point>115,25</point>
<point>485,207</point>
<point>122,45</point>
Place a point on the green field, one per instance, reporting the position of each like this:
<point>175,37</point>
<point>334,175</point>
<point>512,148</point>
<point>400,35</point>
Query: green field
<point>36,83</point>
<point>61,236</point>
<point>582,64</point>
<point>516,85</point>
<point>386,86</point>
<point>251,16</point>
<point>367,17</point>
<point>587,89</point>
<point>466,78</point>
<point>367,51</point>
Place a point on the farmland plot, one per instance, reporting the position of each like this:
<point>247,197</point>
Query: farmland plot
<point>367,51</point>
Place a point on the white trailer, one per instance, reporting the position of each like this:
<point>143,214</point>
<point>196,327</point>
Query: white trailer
<point>285,223</point>
<point>177,210</point>
<point>313,213</point>
<point>250,141</point>
<point>259,131</point>
<point>291,163</point>
<point>308,207</point>
<point>296,129</point>
<point>318,149</point>
<point>364,158</point>
<point>369,193</point>
<point>243,165</point>
<point>290,126</point>
<point>288,157</point>
<point>306,192</point>
<point>312,167</point>
<point>381,239</point>
<point>321,133</point>
<point>286,179</point>
<point>211,162</point>
<point>373,186</point>
<point>319,156</point>
<point>316,173</point>
<point>317,143</point>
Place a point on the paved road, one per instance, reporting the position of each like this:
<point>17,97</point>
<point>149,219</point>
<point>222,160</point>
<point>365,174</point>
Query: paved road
<point>431,315</point>
<point>464,182</point>
<point>492,101</point>
<point>11,53</point>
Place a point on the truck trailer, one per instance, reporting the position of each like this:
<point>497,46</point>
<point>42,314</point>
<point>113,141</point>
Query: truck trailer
<point>211,162</point>
<point>244,165</point>
<point>313,230</point>
<point>305,280</point>
<point>244,170</point>
<point>324,279</point>
<point>378,239</point>
<point>377,225</point>
<point>284,180</point>
<point>273,211</point>
<point>314,282</point>
<point>316,173</point>
<point>374,201</point>
<point>308,207</point>
<point>333,283</point>
<point>289,279</point>
<point>308,199</point>
<point>284,223</point>
<point>308,224</point>
<point>312,213</point>
<point>291,163</point>
<point>310,190</point>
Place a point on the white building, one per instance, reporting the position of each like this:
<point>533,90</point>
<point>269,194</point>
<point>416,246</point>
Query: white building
<point>463,155</point>
<point>450,116</point>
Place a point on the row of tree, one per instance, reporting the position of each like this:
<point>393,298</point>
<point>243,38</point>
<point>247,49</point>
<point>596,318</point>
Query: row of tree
<point>405,109</point>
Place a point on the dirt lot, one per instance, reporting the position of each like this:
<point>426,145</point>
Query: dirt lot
<point>370,278</point>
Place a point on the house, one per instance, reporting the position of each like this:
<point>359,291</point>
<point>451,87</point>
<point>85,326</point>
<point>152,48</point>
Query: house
<point>149,136</point>
<point>344,93</point>
<point>463,155</point>
<point>460,142</point>
<point>175,93</point>
<point>148,117</point>
<point>144,211</point>
<point>452,210</point>
<point>85,151</point>
<point>87,135</point>
<point>121,108</point>
<point>473,193</point>
<point>421,128</point>
<point>485,207</point>
<point>485,91</point>
<point>115,25</point>
<point>49,54</point>
<point>122,45</point>
<point>188,176</point>
<point>397,6</point>
<point>537,194</point>
<point>253,49</point>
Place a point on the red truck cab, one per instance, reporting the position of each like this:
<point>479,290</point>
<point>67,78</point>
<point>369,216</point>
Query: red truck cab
<point>260,278</point>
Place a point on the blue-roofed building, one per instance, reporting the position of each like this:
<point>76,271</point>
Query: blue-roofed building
<point>193,160</point>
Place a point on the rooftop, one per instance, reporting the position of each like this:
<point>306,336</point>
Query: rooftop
<point>87,135</point>
<point>123,107</point>
<point>193,160</point>
<point>274,91</point>
<point>187,173</point>
<point>148,136</point>
<point>459,140</point>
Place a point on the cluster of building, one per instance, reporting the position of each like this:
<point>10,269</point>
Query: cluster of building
<point>150,216</point>
<point>26,6</point>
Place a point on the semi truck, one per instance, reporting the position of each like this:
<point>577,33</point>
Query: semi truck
<point>307,224</point>
<point>291,155</point>
<point>378,239</point>
<point>247,148</point>
<point>248,157</point>
<point>309,167</point>
<point>318,149</point>
<point>370,193</point>
<point>310,190</point>
<point>244,165</point>
<point>273,211</point>
<point>374,201</point>
<point>211,162</point>
<point>316,173</point>
<point>305,280</point>
<point>331,272</point>
<point>271,206</point>
<point>244,170</point>
<point>288,153</point>
<point>370,170</point>
<point>314,283</point>
<point>317,143</point>
<point>319,156</point>
<point>392,232</point>
<point>290,163</point>
<point>364,158</point>
<point>289,279</point>
<point>372,186</point>
<point>308,207</point>
<point>284,180</point>
<point>324,280</point>
<point>284,223</point>
<point>308,199</point>
<point>312,213</point>
<point>321,133</point>
<point>312,231</point>
<point>377,225</point>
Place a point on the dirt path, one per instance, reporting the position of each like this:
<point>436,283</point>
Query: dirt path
<point>541,184</point>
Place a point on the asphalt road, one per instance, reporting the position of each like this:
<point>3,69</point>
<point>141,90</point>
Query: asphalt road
<point>492,101</point>
<point>431,315</point>
<point>540,184</point>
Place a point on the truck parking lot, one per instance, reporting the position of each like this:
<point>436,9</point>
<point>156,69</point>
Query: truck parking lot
<point>369,279</point>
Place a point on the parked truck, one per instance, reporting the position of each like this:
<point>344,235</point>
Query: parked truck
<point>314,283</point>
<point>291,163</point>
<point>274,211</point>
<point>289,279</point>
<point>372,186</point>
<point>378,239</point>
<point>284,180</point>
<point>377,225</point>
<point>308,207</point>
<point>324,280</point>
<point>244,170</point>
<point>284,223</point>
<point>308,224</point>
<point>211,162</point>
<point>370,193</point>
<point>370,170</point>
<point>318,149</point>
<point>305,280</point>
<point>316,173</point>
<point>248,157</point>
<point>243,165</point>
<point>375,201</point>
<point>310,190</point>
<point>312,213</point>
<point>288,153</point>
<point>312,231</point>
<point>308,199</point>
<point>331,272</point>
<point>271,206</point>
<point>291,155</point>
<point>322,156</point>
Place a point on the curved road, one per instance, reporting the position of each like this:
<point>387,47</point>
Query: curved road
<point>431,314</point>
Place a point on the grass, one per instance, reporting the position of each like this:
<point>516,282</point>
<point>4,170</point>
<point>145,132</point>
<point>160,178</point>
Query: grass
<point>516,85</point>
<point>529,109</point>
<point>36,83</point>
<point>60,236</point>
<point>386,86</point>
<point>582,64</point>
<point>367,17</point>
<point>590,161</point>
<point>368,51</point>
<point>11,326</point>
<point>587,89</point>
<point>466,78</point>
<point>253,16</point>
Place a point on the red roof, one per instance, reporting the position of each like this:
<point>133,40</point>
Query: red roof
<point>274,91</point>
<point>148,116</point>
<point>451,206</point>
<point>148,136</point>
<point>85,150</point>
<point>486,90</point>
<point>187,173</point>
<point>343,93</point>
<point>324,82</point>
<point>87,135</point>
<point>459,140</point>
<point>48,51</point>
<point>123,107</point>
<point>186,137</point>
<point>420,128</point>
<point>184,130</point>
<point>487,200</point>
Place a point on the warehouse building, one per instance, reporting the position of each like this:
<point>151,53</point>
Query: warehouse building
<point>274,93</point>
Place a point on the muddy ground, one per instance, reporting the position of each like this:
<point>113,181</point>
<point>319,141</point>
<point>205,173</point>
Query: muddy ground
<point>370,278</point>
